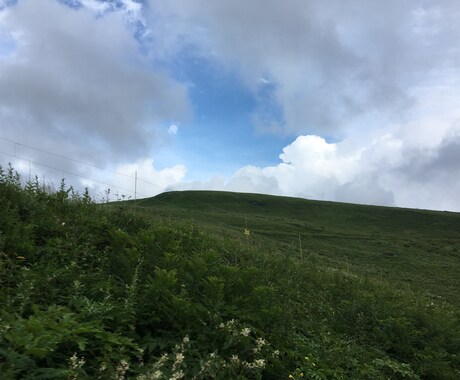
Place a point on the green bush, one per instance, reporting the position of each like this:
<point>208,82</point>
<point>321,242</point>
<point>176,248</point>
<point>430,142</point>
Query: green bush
<point>94,291</point>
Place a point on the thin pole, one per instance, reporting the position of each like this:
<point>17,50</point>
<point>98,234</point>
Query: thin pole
<point>135,185</point>
<point>300,245</point>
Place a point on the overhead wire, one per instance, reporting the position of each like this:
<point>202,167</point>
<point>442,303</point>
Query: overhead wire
<point>69,172</point>
<point>16,143</point>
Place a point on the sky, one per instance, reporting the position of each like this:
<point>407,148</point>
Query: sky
<point>355,101</point>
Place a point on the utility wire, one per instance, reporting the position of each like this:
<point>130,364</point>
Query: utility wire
<point>71,173</point>
<point>15,143</point>
<point>77,161</point>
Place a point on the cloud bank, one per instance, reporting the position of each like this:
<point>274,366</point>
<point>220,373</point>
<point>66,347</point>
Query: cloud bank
<point>330,65</point>
<point>82,81</point>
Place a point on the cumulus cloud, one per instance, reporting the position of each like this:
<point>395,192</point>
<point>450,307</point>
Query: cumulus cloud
<point>151,181</point>
<point>81,81</point>
<point>386,171</point>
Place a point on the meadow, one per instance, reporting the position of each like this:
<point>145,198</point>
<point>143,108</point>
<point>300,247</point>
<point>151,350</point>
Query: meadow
<point>417,250</point>
<point>173,287</point>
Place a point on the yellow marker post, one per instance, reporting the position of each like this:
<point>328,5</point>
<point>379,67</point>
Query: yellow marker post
<point>246,229</point>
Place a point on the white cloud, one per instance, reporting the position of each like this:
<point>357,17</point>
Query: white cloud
<point>173,129</point>
<point>151,181</point>
<point>122,180</point>
<point>132,6</point>
<point>95,6</point>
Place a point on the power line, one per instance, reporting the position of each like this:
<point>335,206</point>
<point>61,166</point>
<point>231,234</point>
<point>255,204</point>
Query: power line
<point>61,156</point>
<point>71,173</point>
<point>135,178</point>
<point>78,161</point>
<point>92,179</point>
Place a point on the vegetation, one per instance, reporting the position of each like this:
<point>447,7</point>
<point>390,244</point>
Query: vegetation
<point>417,250</point>
<point>115,292</point>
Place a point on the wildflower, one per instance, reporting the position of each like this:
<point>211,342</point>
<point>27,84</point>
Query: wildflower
<point>246,331</point>
<point>261,342</point>
<point>140,355</point>
<point>20,257</point>
<point>291,377</point>
<point>177,375</point>
<point>103,367</point>
<point>186,339</point>
<point>179,358</point>
<point>75,363</point>
<point>63,224</point>
<point>163,359</point>
<point>122,367</point>
<point>235,359</point>
<point>259,363</point>
<point>157,374</point>
<point>75,366</point>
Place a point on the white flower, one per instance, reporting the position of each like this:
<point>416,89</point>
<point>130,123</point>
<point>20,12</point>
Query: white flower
<point>261,342</point>
<point>179,358</point>
<point>177,375</point>
<point>122,367</point>
<point>260,363</point>
<point>157,374</point>
<point>246,331</point>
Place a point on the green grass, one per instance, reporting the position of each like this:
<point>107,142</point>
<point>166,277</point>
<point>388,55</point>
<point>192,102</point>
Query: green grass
<point>414,249</point>
<point>171,288</point>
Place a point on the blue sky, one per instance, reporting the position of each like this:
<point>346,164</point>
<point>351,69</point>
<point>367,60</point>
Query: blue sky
<point>222,109</point>
<point>354,102</point>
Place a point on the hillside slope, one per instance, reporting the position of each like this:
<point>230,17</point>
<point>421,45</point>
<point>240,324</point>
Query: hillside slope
<point>94,291</point>
<point>418,249</point>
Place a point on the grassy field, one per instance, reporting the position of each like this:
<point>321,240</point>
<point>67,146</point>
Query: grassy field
<point>418,250</point>
<point>172,288</point>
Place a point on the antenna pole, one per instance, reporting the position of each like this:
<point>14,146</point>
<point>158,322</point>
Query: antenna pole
<point>135,185</point>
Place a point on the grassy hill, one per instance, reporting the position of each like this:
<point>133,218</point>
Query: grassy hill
<point>171,288</point>
<point>415,249</point>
